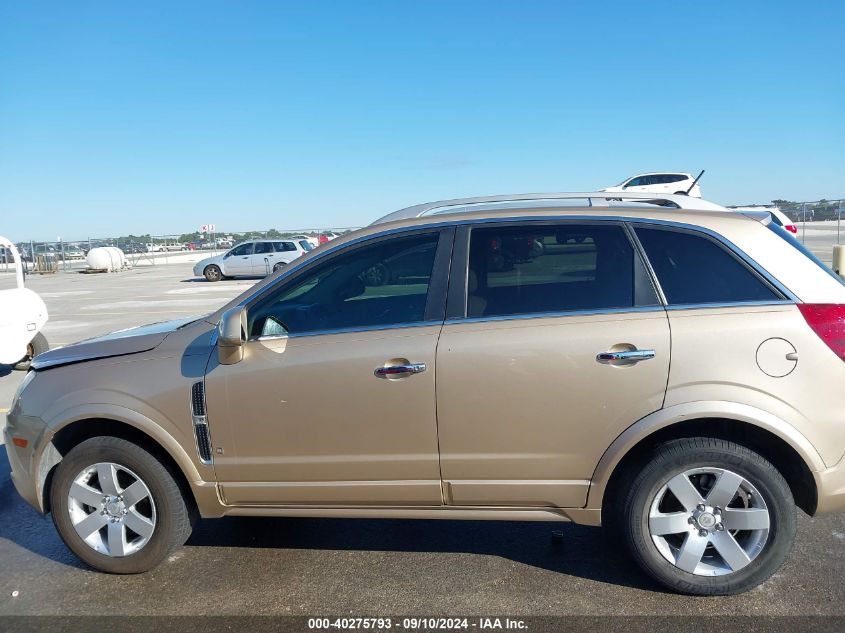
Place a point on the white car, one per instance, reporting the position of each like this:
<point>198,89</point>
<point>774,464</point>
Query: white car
<point>778,216</point>
<point>250,259</point>
<point>312,241</point>
<point>22,316</point>
<point>659,182</point>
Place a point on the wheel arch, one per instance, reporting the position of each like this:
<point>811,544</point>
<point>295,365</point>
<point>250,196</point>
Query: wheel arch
<point>780,443</point>
<point>79,430</point>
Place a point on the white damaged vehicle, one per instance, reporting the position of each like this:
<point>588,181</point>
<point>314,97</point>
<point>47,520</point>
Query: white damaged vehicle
<point>23,314</point>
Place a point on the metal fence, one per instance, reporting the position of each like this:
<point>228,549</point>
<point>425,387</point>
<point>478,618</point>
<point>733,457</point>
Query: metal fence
<point>825,215</point>
<point>149,250</point>
<point>819,225</point>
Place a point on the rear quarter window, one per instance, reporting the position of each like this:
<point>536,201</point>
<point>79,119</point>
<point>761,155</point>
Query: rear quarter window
<point>694,269</point>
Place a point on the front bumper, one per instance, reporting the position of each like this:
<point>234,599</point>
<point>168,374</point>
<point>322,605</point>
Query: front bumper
<point>19,461</point>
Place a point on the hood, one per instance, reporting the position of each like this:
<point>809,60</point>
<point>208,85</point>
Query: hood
<point>209,260</point>
<point>130,341</point>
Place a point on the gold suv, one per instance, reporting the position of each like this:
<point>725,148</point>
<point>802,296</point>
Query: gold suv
<point>669,370</point>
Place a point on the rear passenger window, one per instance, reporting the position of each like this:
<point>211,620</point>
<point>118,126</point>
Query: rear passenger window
<point>694,269</point>
<point>524,270</point>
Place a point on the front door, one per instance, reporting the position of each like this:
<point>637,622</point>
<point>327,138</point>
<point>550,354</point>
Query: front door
<point>560,345</point>
<point>238,261</point>
<point>334,402</point>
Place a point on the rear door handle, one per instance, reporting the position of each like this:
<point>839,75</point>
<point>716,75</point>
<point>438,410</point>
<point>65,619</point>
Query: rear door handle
<point>399,371</point>
<point>625,357</point>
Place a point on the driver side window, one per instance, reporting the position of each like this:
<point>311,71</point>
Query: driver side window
<point>243,249</point>
<point>380,284</point>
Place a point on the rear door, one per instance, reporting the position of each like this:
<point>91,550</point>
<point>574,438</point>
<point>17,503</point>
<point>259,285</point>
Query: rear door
<point>263,258</point>
<point>554,343</point>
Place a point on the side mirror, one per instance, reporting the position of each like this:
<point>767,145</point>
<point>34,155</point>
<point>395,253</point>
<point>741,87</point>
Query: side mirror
<point>231,335</point>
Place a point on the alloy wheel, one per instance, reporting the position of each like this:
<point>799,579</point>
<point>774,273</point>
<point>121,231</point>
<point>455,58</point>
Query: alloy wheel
<point>112,509</point>
<point>709,521</point>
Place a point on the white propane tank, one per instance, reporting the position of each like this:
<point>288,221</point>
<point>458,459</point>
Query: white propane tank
<point>118,257</point>
<point>106,258</point>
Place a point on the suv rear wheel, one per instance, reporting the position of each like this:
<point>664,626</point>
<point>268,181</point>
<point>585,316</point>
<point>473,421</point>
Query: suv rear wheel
<point>117,507</point>
<point>707,516</point>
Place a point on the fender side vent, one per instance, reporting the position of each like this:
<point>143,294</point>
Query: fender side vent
<point>201,431</point>
<point>203,442</point>
<point>198,399</point>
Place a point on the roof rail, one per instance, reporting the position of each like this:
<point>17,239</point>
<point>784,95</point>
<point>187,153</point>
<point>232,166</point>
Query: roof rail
<point>592,199</point>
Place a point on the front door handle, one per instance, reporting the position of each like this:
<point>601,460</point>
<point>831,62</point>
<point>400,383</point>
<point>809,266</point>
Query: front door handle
<point>628,357</point>
<point>399,371</point>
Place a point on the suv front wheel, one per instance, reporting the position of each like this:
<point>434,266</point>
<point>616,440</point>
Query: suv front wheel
<point>117,507</point>
<point>707,516</point>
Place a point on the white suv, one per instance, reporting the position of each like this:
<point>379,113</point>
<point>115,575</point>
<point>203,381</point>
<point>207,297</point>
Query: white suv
<point>663,182</point>
<point>251,259</point>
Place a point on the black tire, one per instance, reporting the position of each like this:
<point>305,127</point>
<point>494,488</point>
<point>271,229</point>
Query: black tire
<point>677,456</point>
<point>174,515</point>
<point>277,267</point>
<point>36,346</point>
<point>212,273</point>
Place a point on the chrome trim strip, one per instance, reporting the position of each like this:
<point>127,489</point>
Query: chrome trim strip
<point>728,304</point>
<point>554,315</point>
<point>295,268</point>
<point>346,330</point>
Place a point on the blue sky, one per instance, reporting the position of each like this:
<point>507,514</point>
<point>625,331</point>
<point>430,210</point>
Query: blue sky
<point>121,117</point>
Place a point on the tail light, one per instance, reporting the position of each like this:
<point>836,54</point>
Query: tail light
<point>828,321</point>
<point>791,228</point>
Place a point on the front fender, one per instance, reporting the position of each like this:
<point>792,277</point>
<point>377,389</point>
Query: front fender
<point>47,456</point>
<point>696,411</point>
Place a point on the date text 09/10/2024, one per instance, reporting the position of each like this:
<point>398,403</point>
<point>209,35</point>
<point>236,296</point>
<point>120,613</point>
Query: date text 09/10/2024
<point>419,623</point>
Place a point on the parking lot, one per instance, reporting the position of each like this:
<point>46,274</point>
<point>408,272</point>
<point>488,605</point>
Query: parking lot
<point>360,567</point>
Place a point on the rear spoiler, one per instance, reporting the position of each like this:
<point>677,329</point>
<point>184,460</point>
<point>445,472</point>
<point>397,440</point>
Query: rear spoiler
<point>763,217</point>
